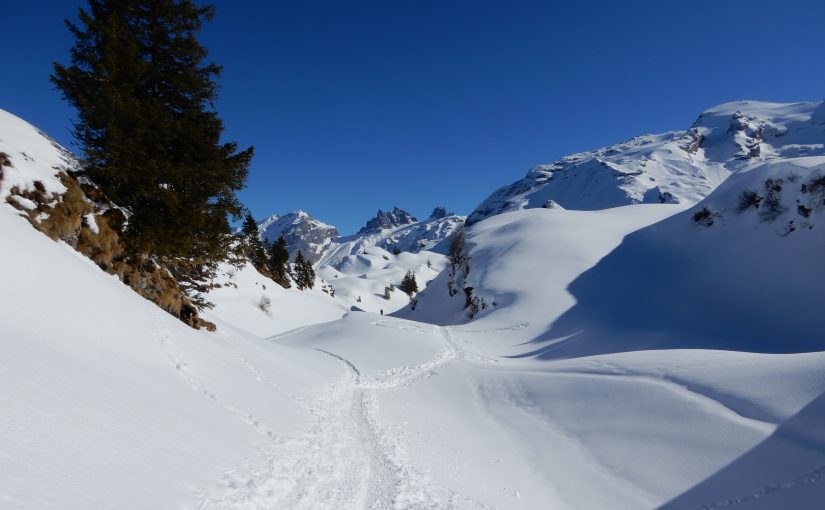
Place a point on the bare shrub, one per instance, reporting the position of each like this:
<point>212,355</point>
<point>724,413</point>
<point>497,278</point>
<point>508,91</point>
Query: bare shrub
<point>264,304</point>
<point>748,200</point>
<point>703,217</point>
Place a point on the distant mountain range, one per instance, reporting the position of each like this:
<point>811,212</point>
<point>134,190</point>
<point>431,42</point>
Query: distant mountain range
<point>393,230</point>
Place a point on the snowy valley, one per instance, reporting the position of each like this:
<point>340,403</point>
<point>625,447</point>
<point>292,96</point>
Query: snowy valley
<point>635,327</point>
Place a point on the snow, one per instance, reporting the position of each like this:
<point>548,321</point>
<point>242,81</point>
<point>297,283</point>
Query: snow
<point>33,156</point>
<point>360,280</point>
<point>731,285</point>
<point>240,291</point>
<point>426,235</point>
<point>673,167</point>
<point>107,396</point>
<point>634,358</point>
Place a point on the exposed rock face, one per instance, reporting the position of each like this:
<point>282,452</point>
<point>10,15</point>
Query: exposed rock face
<point>301,232</point>
<point>38,178</point>
<point>440,212</point>
<point>389,219</point>
<point>93,229</point>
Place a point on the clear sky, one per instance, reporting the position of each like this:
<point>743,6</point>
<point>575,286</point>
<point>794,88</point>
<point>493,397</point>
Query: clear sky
<point>356,106</point>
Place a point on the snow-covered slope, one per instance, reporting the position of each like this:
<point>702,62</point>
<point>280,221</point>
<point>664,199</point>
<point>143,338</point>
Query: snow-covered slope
<point>246,300</point>
<point>109,402</point>
<point>301,232</point>
<point>110,397</point>
<point>737,271</point>
<point>674,167</point>
<point>364,281</point>
<point>31,156</point>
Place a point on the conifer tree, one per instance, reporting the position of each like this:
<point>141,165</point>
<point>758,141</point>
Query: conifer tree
<point>249,229</point>
<point>254,247</point>
<point>304,274</point>
<point>151,139</point>
<point>300,279</point>
<point>309,274</point>
<point>408,284</point>
<point>278,260</point>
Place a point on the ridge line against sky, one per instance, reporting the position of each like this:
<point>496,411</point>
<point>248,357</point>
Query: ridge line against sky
<point>358,106</point>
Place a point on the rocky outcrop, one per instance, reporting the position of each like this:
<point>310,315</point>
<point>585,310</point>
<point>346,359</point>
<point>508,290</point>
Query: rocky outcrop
<point>388,219</point>
<point>92,227</point>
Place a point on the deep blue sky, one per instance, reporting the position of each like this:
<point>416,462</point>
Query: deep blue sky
<point>355,106</point>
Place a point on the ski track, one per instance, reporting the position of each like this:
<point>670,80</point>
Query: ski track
<point>344,457</point>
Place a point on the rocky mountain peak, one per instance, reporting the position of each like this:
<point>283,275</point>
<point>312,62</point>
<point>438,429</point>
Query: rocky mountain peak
<point>301,231</point>
<point>440,212</point>
<point>388,219</point>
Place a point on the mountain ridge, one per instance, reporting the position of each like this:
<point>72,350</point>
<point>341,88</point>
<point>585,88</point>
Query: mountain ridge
<point>671,167</point>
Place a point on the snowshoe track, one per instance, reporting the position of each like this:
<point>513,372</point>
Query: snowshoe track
<point>344,457</point>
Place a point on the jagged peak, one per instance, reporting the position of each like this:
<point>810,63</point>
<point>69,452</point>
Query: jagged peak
<point>440,212</point>
<point>388,219</point>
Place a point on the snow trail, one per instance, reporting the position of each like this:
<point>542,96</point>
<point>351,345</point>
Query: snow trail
<point>344,456</point>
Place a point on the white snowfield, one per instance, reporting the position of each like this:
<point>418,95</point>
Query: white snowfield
<point>544,401</point>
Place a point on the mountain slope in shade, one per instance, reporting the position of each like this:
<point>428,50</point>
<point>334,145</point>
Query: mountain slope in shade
<point>673,167</point>
<point>738,271</point>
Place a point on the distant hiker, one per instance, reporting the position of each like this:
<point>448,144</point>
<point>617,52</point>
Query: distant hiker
<point>382,311</point>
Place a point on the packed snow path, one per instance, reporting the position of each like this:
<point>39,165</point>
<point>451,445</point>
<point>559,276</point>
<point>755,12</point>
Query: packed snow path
<point>344,457</point>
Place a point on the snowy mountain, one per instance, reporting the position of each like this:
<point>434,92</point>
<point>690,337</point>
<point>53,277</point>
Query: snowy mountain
<point>627,357</point>
<point>301,232</point>
<point>673,167</point>
<point>358,269</point>
<point>396,230</point>
<point>412,236</point>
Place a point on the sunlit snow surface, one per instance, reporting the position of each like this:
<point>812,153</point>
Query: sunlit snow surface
<point>546,400</point>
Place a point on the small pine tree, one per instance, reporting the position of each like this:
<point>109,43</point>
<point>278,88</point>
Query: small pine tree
<point>304,274</point>
<point>255,250</point>
<point>408,284</point>
<point>298,272</point>
<point>309,274</point>
<point>278,262</point>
